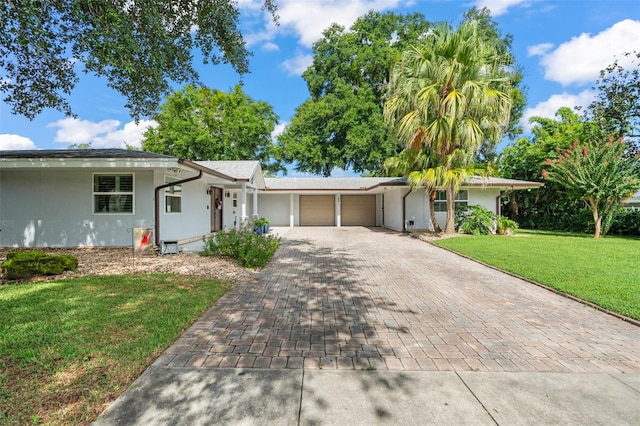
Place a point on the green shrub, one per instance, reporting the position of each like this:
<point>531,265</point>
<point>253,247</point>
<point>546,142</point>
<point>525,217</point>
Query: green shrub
<point>261,222</point>
<point>22,265</point>
<point>625,222</point>
<point>475,220</point>
<point>504,225</point>
<point>248,248</point>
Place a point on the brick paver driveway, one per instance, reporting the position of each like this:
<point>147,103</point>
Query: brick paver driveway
<point>344,298</point>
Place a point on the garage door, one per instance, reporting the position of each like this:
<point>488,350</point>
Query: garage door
<point>317,210</point>
<point>358,210</point>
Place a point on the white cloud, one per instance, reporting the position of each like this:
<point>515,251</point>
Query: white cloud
<point>308,19</point>
<point>539,49</point>
<point>580,59</point>
<point>270,47</point>
<point>298,64</point>
<point>103,134</point>
<point>498,7</point>
<point>549,107</point>
<point>15,142</point>
<point>277,131</point>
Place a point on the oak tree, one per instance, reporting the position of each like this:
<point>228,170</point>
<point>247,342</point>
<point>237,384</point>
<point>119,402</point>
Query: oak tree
<point>140,46</point>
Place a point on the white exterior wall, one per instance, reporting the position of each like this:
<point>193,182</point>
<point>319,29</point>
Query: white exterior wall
<point>417,210</point>
<point>417,207</point>
<point>54,208</point>
<point>195,218</point>
<point>393,208</point>
<point>275,207</point>
<point>485,197</point>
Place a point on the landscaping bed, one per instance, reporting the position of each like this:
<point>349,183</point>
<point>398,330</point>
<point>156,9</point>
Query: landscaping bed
<point>119,261</point>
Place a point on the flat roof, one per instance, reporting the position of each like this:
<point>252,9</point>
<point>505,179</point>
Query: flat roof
<point>82,154</point>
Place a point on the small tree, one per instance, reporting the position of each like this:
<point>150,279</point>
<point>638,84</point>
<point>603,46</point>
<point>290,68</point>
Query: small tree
<point>597,173</point>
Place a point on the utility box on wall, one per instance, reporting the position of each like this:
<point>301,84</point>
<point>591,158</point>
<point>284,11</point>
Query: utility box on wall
<point>169,247</point>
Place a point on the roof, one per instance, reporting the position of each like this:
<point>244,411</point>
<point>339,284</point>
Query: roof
<point>327,184</point>
<point>82,154</point>
<point>369,183</point>
<point>241,169</point>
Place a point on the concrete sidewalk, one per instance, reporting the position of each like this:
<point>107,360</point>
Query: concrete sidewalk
<point>196,396</point>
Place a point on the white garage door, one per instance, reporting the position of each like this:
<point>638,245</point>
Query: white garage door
<point>358,210</point>
<point>317,210</point>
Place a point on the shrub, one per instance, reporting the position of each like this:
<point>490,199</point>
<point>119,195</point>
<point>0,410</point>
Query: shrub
<point>22,265</point>
<point>504,225</point>
<point>261,222</point>
<point>475,220</point>
<point>625,222</point>
<point>250,249</point>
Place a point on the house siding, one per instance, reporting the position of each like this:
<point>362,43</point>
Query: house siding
<point>195,218</point>
<point>54,208</point>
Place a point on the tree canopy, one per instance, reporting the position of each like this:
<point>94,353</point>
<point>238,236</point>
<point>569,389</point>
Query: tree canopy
<point>341,124</point>
<point>598,173</point>
<point>347,82</point>
<point>546,207</point>
<point>139,46</point>
<point>198,123</point>
<point>616,108</point>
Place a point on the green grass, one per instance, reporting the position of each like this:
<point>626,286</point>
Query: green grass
<point>69,348</point>
<point>604,271</point>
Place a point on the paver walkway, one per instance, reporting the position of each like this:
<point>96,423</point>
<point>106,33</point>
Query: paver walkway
<point>345,298</point>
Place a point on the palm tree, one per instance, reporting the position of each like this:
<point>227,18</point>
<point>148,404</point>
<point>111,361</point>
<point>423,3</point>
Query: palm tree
<point>449,95</point>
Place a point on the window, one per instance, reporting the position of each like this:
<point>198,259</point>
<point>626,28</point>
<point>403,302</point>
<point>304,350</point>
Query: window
<point>462,199</point>
<point>113,193</point>
<point>172,197</point>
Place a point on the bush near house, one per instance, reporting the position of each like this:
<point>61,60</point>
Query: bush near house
<point>475,220</point>
<point>250,249</point>
<point>22,265</point>
<point>625,222</point>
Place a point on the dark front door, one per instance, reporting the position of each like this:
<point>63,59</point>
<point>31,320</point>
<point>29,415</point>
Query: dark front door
<point>216,209</point>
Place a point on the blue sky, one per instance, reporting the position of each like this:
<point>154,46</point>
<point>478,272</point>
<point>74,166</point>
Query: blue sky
<point>561,45</point>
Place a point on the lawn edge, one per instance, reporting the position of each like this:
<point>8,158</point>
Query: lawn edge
<point>546,287</point>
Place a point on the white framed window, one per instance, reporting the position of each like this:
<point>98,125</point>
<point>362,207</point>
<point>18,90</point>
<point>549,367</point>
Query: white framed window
<point>113,193</point>
<point>462,200</point>
<point>172,196</point>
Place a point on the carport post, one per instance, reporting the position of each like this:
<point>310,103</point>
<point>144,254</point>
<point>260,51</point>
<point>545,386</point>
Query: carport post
<point>291,210</point>
<point>255,202</point>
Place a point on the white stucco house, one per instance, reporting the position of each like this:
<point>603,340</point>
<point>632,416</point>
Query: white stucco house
<point>76,198</point>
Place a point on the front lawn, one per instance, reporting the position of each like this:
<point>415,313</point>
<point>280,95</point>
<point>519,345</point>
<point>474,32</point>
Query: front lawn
<point>605,271</point>
<point>69,348</point>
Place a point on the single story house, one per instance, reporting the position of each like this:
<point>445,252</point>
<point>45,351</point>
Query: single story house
<point>96,197</point>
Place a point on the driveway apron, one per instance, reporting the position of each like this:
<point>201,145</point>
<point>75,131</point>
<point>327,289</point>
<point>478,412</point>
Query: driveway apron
<point>368,298</point>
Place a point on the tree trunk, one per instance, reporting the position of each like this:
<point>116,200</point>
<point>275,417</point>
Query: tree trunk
<point>598,221</point>
<point>432,211</point>
<point>451,195</point>
<point>597,218</point>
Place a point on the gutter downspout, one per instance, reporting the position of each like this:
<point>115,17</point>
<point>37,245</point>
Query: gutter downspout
<point>499,199</point>
<point>156,231</point>
<point>404,211</point>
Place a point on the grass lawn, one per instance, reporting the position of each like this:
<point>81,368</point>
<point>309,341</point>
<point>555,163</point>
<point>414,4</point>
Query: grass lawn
<point>604,271</point>
<point>69,348</point>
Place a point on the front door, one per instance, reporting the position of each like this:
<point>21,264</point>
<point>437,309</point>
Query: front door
<point>216,209</point>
